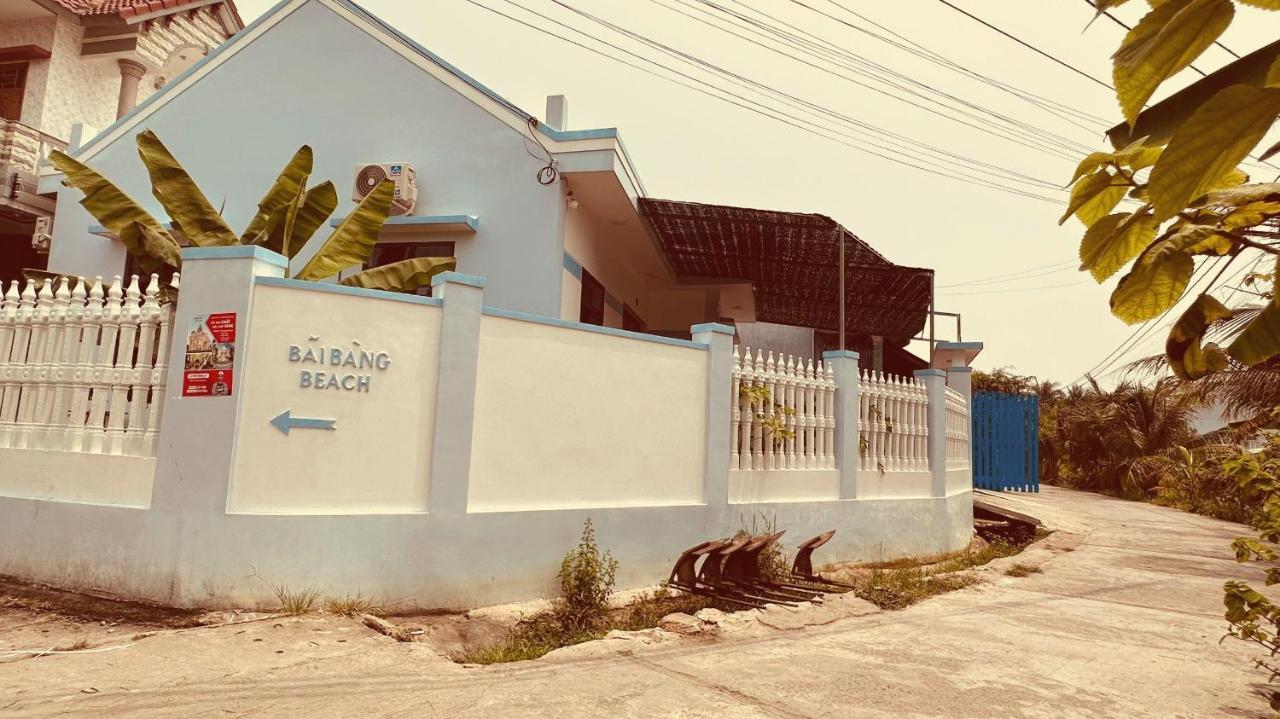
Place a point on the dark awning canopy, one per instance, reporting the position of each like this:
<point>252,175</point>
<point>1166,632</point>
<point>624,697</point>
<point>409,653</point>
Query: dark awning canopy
<point>790,259</point>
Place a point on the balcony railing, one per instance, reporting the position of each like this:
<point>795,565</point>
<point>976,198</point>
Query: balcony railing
<point>22,148</point>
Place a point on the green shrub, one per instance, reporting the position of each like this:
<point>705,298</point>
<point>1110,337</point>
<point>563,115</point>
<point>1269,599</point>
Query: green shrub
<point>586,583</point>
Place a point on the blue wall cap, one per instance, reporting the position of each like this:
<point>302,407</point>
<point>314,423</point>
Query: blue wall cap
<point>716,327</point>
<point>457,278</point>
<point>235,252</point>
<point>959,345</point>
<point>841,354</point>
<point>929,373</point>
<point>959,369</point>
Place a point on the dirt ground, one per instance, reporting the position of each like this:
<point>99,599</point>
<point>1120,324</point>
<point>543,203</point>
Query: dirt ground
<point>1123,619</point>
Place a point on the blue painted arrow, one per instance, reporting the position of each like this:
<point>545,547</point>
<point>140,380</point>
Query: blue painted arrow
<point>285,422</point>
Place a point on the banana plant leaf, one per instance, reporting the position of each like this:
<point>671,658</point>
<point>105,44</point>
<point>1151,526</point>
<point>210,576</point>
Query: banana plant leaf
<point>179,194</point>
<point>280,228</point>
<point>168,293</point>
<point>152,249</point>
<point>285,188</point>
<point>106,202</point>
<point>403,276</point>
<point>353,241</point>
<point>316,207</point>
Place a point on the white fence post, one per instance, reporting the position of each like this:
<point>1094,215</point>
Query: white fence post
<point>935,384</point>
<point>843,369</point>
<point>463,297</point>
<point>721,368</point>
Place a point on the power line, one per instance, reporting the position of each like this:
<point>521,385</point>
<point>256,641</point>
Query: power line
<point>914,48</point>
<point>820,48</point>
<point>1071,266</point>
<point>996,278</point>
<point>733,98</point>
<point>1018,289</point>
<point>1028,45</point>
<point>973,121</point>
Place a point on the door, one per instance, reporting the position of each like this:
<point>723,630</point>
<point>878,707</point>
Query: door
<point>13,85</point>
<point>1006,441</point>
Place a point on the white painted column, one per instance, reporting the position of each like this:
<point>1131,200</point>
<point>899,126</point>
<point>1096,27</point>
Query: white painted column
<point>844,365</point>
<point>455,408</point>
<point>197,434</point>
<point>935,384</point>
<point>719,341</point>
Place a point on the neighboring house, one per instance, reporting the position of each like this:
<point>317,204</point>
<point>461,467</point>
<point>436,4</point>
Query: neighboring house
<point>556,219</point>
<point>64,62</point>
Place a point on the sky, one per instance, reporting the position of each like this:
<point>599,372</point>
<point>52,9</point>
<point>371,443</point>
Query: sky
<point>1001,259</point>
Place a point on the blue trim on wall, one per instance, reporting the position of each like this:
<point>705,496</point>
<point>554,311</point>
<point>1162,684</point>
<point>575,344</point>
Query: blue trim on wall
<point>613,331</point>
<point>841,354</point>
<point>235,252</point>
<point>958,370</point>
<point>465,223</point>
<point>929,373</point>
<point>336,289</point>
<point>613,303</point>
<point>573,266</point>
<point>959,345</point>
<point>567,135</point>
<point>716,327</point>
<point>457,278</point>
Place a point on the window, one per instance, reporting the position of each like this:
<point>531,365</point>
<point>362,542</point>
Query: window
<point>592,308</point>
<point>385,253</point>
<point>13,85</point>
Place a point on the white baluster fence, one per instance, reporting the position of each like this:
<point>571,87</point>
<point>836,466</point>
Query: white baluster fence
<point>84,368</point>
<point>958,450</point>
<point>893,432</point>
<point>783,413</point>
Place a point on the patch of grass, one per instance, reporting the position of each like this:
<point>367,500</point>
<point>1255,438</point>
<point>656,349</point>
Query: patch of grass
<point>1021,570</point>
<point>289,602</point>
<point>547,631</point>
<point>900,588</point>
<point>902,583</point>
<point>351,606</point>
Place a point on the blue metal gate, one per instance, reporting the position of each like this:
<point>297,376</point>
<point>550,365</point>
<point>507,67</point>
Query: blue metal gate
<point>1006,441</point>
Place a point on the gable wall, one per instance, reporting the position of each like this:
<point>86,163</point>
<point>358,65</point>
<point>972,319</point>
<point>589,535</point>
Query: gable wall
<point>314,78</point>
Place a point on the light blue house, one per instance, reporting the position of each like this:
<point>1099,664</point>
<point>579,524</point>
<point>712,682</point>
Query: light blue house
<point>555,219</point>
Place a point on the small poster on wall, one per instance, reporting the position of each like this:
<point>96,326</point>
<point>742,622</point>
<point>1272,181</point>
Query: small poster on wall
<point>211,353</point>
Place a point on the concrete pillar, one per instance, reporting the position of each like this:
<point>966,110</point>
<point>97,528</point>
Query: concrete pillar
<point>130,74</point>
<point>197,434</point>
<point>455,408</point>
<point>557,112</point>
<point>877,353</point>
<point>845,365</point>
<point>935,384</point>
<point>960,379</point>
<point>719,341</point>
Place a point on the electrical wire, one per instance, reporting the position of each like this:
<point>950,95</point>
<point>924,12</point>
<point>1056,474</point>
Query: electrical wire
<point>1070,266</point>
<point>733,98</point>
<point>994,278</point>
<point>822,49</point>
<point>923,52</point>
<point>1017,289</point>
<point>1028,45</point>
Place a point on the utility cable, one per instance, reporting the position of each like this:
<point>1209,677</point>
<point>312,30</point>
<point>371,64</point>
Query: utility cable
<point>735,99</point>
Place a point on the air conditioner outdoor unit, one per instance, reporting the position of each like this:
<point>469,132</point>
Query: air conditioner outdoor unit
<point>42,237</point>
<point>402,173</point>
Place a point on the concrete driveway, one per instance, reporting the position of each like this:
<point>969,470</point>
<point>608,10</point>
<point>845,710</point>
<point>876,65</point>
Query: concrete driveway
<point>1123,620</point>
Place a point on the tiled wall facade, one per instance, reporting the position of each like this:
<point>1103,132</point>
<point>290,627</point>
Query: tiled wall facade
<point>69,88</point>
<point>31,32</point>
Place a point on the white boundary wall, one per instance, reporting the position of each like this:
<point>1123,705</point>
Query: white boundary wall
<point>464,472</point>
